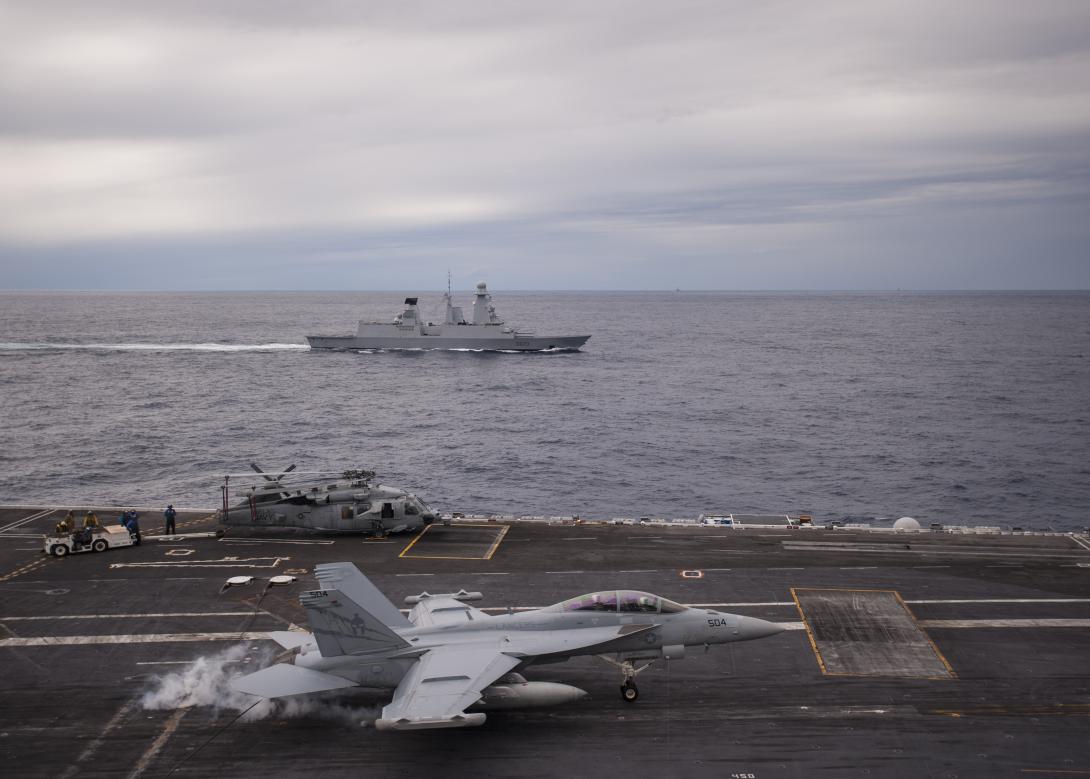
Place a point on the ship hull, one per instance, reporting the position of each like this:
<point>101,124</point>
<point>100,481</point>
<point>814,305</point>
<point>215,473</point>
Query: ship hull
<point>514,343</point>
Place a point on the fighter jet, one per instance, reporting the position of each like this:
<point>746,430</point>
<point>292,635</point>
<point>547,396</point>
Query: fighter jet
<point>448,657</point>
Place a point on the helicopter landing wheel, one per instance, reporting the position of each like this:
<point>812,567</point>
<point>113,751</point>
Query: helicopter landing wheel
<point>629,692</point>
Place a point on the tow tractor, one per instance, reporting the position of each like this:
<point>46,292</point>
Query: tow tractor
<point>97,539</point>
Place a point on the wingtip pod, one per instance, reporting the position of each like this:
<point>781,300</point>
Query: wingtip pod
<point>457,721</point>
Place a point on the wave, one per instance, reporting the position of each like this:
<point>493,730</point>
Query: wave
<point>145,347</point>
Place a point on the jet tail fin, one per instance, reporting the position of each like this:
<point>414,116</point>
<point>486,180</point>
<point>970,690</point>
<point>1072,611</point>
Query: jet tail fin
<point>342,627</point>
<point>347,578</point>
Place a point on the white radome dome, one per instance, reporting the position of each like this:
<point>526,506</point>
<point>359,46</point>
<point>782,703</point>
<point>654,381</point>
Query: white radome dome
<point>906,523</point>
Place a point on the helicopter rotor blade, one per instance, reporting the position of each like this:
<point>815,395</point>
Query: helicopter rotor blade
<point>258,470</point>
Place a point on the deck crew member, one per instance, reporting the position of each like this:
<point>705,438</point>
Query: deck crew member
<point>90,520</point>
<point>169,514</point>
<point>64,527</point>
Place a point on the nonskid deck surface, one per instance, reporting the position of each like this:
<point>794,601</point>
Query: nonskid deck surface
<point>994,680</point>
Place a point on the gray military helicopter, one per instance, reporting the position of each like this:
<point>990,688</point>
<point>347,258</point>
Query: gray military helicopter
<point>343,501</point>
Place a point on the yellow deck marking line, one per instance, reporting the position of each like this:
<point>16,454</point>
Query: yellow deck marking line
<point>168,730</point>
<point>93,747</point>
<point>809,634</point>
<point>496,543</point>
<point>27,568</point>
<point>916,622</point>
<point>413,542</point>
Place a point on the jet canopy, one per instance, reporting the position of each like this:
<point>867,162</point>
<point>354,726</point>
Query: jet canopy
<point>628,601</point>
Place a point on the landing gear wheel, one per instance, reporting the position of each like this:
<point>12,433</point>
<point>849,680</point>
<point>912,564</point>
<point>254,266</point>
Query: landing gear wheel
<point>99,545</point>
<point>629,692</point>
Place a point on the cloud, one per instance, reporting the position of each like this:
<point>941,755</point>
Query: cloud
<point>683,133</point>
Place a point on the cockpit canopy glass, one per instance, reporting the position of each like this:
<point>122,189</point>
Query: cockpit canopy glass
<point>625,601</point>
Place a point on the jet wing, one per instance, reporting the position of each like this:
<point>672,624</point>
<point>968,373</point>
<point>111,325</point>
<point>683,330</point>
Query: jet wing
<point>443,610</point>
<point>442,684</point>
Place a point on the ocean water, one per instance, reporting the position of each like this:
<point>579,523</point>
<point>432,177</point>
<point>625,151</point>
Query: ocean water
<point>954,408</point>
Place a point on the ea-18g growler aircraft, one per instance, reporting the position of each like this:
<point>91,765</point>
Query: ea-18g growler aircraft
<point>448,658</point>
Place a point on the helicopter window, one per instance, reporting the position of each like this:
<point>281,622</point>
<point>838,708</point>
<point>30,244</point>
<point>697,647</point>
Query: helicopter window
<point>387,511</point>
<point>411,510</point>
<point>346,512</point>
<point>362,508</point>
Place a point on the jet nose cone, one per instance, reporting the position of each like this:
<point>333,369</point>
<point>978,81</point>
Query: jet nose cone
<point>751,627</point>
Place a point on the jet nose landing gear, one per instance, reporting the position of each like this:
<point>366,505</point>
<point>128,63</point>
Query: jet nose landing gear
<point>629,691</point>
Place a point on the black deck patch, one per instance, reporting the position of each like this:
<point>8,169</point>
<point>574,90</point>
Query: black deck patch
<point>457,542</point>
<point>868,633</point>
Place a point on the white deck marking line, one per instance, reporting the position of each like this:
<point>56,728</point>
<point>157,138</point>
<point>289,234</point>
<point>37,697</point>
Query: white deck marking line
<point>137,616</point>
<point>740,605</point>
<point>561,572</point>
<point>168,729</point>
<point>130,638</point>
<point>1080,542</point>
<point>1006,600</point>
<point>414,574</point>
<point>489,573</point>
<point>226,562</point>
<point>824,546</point>
<point>24,520</point>
<point>1005,623</point>
<point>158,638</point>
<point>273,541</point>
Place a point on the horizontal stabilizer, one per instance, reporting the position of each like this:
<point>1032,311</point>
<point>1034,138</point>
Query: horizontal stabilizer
<point>289,639</point>
<point>281,680</point>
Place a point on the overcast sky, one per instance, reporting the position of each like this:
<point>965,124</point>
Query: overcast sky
<point>550,145</point>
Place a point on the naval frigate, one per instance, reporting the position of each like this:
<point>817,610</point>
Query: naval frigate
<point>484,332</point>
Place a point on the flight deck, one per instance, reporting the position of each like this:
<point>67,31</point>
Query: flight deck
<point>904,655</point>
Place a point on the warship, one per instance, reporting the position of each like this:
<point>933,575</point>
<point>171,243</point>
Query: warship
<point>484,332</point>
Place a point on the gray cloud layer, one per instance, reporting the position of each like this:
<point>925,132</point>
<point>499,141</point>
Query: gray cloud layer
<point>605,145</point>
